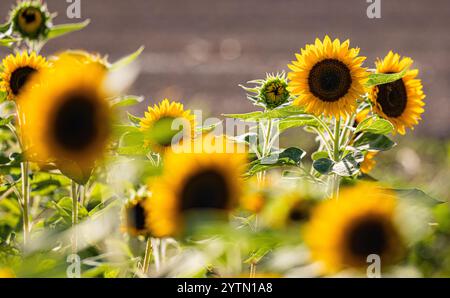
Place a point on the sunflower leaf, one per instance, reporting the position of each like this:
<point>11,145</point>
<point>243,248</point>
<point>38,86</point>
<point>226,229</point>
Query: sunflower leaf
<point>3,95</point>
<point>372,141</point>
<point>60,30</point>
<point>323,165</point>
<point>279,113</point>
<point>417,194</point>
<point>297,121</point>
<point>126,60</point>
<point>376,79</point>
<point>349,165</point>
<point>134,119</point>
<point>127,101</point>
<point>290,157</point>
<point>376,126</point>
<point>6,121</point>
<point>7,42</point>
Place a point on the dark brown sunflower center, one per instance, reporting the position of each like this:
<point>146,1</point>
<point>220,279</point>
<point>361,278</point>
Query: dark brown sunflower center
<point>30,15</point>
<point>76,125</point>
<point>205,190</point>
<point>298,213</point>
<point>19,77</point>
<point>392,98</point>
<point>329,80</point>
<point>136,217</point>
<point>366,237</point>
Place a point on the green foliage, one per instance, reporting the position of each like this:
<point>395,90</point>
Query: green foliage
<point>60,30</point>
<point>381,78</point>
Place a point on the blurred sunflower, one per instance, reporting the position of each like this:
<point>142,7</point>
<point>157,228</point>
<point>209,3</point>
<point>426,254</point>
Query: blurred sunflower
<point>159,123</point>
<point>194,182</point>
<point>17,71</point>
<point>6,273</point>
<point>30,19</point>
<point>327,78</point>
<point>134,218</point>
<point>369,162</point>
<point>71,127</point>
<point>289,209</point>
<point>400,102</point>
<point>83,57</point>
<point>343,233</point>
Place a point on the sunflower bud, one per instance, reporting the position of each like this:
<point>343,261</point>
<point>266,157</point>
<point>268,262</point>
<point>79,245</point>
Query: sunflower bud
<point>269,93</point>
<point>30,19</point>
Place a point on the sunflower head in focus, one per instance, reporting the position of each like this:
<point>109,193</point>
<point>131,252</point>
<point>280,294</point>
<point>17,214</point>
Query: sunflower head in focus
<point>271,92</point>
<point>30,19</point>
<point>401,101</point>
<point>343,233</point>
<point>194,184</point>
<point>71,127</point>
<point>17,71</point>
<point>327,78</point>
<point>134,218</point>
<point>164,122</point>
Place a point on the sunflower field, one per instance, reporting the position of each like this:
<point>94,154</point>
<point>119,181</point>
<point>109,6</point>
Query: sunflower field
<point>91,188</point>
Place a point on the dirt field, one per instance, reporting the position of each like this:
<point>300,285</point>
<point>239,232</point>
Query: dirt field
<point>199,51</point>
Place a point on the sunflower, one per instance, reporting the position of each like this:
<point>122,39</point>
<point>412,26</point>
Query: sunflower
<point>159,124</point>
<point>327,78</point>
<point>289,209</point>
<point>17,70</point>
<point>134,218</point>
<point>343,233</point>
<point>83,57</point>
<point>71,127</point>
<point>192,183</point>
<point>369,162</point>
<point>401,101</point>
<point>31,19</point>
<point>271,92</point>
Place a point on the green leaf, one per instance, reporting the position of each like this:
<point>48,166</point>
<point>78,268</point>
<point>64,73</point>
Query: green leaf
<point>127,101</point>
<point>126,60</point>
<point>6,121</point>
<point>278,113</point>
<point>5,27</point>
<point>289,157</point>
<point>319,155</point>
<point>60,30</point>
<point>297,121</point>
<point>3,96</point>
<point>134,119</point>
<point>382,78</point>
<point>7,42</point>
<point>323,165</point>
<point>417,195</point>
<point>349,165</point>
<point>75,172</point>
<point>132,150</point>
<point>376,126</point>
<point>371,141</point>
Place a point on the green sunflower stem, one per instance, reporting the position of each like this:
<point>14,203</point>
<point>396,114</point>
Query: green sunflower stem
<point>336,155</point>
<point>74,217</point>
<point>25,202</point>
<point>155,243</point>
<point>147,256</point>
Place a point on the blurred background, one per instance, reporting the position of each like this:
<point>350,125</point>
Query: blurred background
<point>198,51</point>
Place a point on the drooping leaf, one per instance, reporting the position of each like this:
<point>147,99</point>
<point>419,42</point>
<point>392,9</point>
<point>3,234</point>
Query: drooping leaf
<point>319,155</point>
<point>349,165</point>
<point>376,126</point>
<point>60,30</point>
<point>126,60</point>
<point>371,141</point>
<point>417,195</point>
<point>289,157</point>
<point>381,78</point>
<point>127,101</point>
